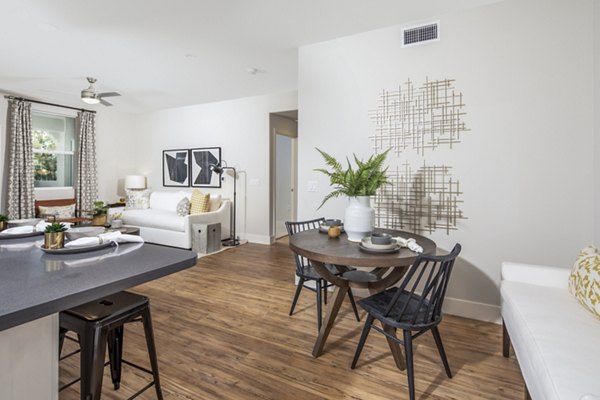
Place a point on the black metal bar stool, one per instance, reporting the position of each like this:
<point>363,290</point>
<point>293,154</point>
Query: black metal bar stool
<point>100,322</point>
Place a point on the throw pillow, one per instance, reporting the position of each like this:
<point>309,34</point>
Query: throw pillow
<point>584,282</point>
<point>183,207</point>
<point>58,211</point>
<point>200,202</point>
<point>137,199</point>
<point>215,202</point>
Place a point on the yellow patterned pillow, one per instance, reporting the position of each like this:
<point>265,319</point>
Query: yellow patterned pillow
<point>200,202</point>
<point>584,282</point>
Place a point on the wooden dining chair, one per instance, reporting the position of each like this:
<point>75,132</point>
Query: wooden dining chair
<point>306,272</point>
<point>414,306</point>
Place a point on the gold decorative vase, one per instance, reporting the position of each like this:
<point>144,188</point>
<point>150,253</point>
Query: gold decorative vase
<point>54,240</point>
<point>99,220</point>
<point>3,225</point>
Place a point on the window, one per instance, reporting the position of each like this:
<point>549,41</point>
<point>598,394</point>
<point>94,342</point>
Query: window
<point>53,149</point>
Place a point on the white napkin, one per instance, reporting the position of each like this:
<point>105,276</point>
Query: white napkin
<point>17,230</point>
<point>115,237</point>
<point>410,243</point>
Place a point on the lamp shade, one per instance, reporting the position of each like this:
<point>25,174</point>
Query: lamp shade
<point>135,182</point>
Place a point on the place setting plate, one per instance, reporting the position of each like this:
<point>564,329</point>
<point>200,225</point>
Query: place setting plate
<point>368,246</point>
<point>20,235</point>
<point>75,250</point>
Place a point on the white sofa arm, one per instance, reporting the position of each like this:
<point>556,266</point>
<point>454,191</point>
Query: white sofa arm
<point>540,275</point>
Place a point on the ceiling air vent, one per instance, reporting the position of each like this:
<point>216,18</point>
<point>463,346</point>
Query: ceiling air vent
<point>420,34</point>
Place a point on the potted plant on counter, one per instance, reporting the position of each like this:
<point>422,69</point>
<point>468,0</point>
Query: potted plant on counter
<point>3,222</point>
<point>54,236</point>
<point>99,213</point>
<point>358,185</point>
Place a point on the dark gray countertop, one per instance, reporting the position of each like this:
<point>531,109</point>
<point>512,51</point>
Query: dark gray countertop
<point>34,284</point>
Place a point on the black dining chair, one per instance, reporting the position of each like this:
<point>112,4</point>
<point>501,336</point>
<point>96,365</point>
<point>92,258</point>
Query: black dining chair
<point>306,272</point>
<point>414,306</point>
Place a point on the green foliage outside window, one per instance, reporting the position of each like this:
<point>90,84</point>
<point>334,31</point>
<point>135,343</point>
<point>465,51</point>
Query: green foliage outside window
<point>45,165</point>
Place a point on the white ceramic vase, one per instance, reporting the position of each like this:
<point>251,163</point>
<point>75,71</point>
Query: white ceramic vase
<point>359,219</point>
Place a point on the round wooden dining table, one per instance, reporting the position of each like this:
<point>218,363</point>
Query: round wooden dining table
<point>385,271</point>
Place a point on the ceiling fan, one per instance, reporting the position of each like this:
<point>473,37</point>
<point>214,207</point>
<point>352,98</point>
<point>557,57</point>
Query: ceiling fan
<point>90,95</point>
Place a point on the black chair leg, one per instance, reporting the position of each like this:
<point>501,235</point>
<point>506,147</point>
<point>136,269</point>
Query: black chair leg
<point>319,305</point>
<point>61,340</point>
<point>325,287</point>
<point>93,348</point>
<point>115,355</point>
<point>363,339</point>
<point>440,346</point>
<point>297,294</point>
<point>410,373</point>
<point>351,297</point>
<point>147,321</point>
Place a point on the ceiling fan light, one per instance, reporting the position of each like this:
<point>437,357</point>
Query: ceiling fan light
<point>90,100</point>
<point>89,96</point>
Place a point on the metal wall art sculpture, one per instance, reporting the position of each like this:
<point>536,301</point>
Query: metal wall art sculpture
<point>421,201</point>
<point>419,119</point>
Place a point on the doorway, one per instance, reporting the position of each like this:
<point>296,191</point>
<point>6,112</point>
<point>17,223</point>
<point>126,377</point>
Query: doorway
<point>284,144</point>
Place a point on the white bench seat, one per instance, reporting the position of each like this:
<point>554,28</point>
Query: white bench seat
<point>555,339</point>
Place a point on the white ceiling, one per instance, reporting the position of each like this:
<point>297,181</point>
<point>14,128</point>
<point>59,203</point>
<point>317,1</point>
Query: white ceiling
<point>168,53</point>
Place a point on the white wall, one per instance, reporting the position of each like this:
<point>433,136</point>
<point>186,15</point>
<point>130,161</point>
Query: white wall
<point>526,165</point>
<point>241,128</point>
<point>117,148</point>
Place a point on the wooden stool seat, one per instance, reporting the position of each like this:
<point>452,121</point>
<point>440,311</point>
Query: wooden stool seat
<point>101,322</point>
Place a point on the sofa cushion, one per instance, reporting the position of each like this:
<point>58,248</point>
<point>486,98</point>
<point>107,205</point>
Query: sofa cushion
<point>153,218</point>
<point>554,339</point>
<point>200,202</point>
<point>166,201</point>
<point>137,199</point>
<point>215,202</point>
<point>584,282</point>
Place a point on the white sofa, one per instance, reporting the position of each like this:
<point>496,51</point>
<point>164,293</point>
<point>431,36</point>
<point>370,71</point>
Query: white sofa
<point>160,223</point>
<point>554,338</point>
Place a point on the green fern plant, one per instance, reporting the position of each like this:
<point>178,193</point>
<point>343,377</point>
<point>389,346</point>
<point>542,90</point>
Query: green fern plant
<point>363,181</point>
<point>3,218</point>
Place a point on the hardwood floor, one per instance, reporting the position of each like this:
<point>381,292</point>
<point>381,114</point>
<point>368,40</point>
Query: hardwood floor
<point>223,332</point>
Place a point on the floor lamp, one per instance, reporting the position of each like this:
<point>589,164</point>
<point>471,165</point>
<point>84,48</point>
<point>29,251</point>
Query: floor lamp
<point>219,169</point>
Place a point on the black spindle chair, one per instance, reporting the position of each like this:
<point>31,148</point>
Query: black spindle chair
<point>416,305</point>
<point>306,272</point>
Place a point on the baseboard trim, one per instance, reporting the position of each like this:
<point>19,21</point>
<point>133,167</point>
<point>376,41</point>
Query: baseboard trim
<point>259,239</point>
<point>472,309</point>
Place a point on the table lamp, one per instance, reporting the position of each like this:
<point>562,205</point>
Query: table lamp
<point>135,182</point>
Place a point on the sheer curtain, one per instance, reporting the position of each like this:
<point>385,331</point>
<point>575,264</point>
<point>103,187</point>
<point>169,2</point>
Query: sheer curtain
<point>87,175</point>
<point>20,196</point>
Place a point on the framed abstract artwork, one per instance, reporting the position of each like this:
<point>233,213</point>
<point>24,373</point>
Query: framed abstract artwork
<point>200,161</point>
<point>176,170</point>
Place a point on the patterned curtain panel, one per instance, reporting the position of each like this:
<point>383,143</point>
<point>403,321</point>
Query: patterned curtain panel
<point>20,196</point>
<point>87,176</point>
